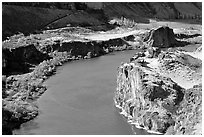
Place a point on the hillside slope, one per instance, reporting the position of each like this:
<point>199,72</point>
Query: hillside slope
<point>28,17</point>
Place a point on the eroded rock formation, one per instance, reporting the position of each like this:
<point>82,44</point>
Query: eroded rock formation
<point>150,98</point>
<point>21,58</point>
<point>182,68</point>
<point>162,37</point>
<point>147,98</point>
<point>20,54</point>
<point>15,113</point>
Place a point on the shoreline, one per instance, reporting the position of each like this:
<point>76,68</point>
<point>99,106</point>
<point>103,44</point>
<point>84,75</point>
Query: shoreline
<point>47,68</point>
<point>134,123</point>
<point>38,75</point>
<point>139,89</point>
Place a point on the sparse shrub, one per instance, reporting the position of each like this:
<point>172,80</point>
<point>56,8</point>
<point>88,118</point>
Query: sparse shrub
<point>123,22</point>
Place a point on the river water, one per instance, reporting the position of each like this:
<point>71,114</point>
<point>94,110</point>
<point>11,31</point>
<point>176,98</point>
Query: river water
<point>79,100</point>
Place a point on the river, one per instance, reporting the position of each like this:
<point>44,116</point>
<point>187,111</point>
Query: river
<point>79,100</point>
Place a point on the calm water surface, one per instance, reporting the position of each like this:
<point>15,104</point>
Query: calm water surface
<point>79,100</point>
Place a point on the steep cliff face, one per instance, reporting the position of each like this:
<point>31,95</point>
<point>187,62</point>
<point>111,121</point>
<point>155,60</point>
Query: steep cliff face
<point>189,116</point>
<point>156,103</point>
<point>148,99</point>
<point>162,92</point>
<point>82,47</point>
<point>159,89</point>
<point>19,56</point>
<point>20,59</point>
<point>21,52</point>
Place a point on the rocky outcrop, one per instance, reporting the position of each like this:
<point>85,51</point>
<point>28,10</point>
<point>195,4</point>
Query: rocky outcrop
<point>21,92</point>
<point>19,55</point>
<point>160,90</point>
<point>182,68</point>
<point>162,37</point>
<point>189,114</point>
<point>148,99</point>
<point>21,58</point>
<point>15,113</point>
<point>155,102</point>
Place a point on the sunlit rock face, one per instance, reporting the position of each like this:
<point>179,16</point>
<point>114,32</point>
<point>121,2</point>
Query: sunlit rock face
<point>148,98</point>
<point>155,102</point>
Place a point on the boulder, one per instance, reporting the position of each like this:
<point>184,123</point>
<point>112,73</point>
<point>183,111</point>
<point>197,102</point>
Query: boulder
<point>162,37</point>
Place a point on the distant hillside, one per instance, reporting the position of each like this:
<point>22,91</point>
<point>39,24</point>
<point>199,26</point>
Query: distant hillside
<point>161,10</point>
<point>29,17</point>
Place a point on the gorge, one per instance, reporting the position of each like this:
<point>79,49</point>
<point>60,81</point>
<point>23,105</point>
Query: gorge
<point>81,67</point>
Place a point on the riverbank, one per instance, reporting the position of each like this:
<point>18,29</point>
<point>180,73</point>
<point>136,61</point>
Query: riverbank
<point>80,92</point>
<point>42,53</point>
<point>160,90</point>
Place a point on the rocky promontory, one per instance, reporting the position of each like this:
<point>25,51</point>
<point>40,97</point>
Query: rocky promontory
<point>156,103</point>
<point>160,90</point>
<point>147,98</point>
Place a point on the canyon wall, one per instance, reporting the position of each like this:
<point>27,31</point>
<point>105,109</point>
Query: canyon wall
<point>156,103</point>
<point>23,57</point>
<point>160,90</point>
<point>149,99</point>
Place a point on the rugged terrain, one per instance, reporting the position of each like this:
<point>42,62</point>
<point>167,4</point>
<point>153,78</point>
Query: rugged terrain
<point>29,60</point>
<point>160,90</point>
<point>42,53</point>
<point>42,37</point>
